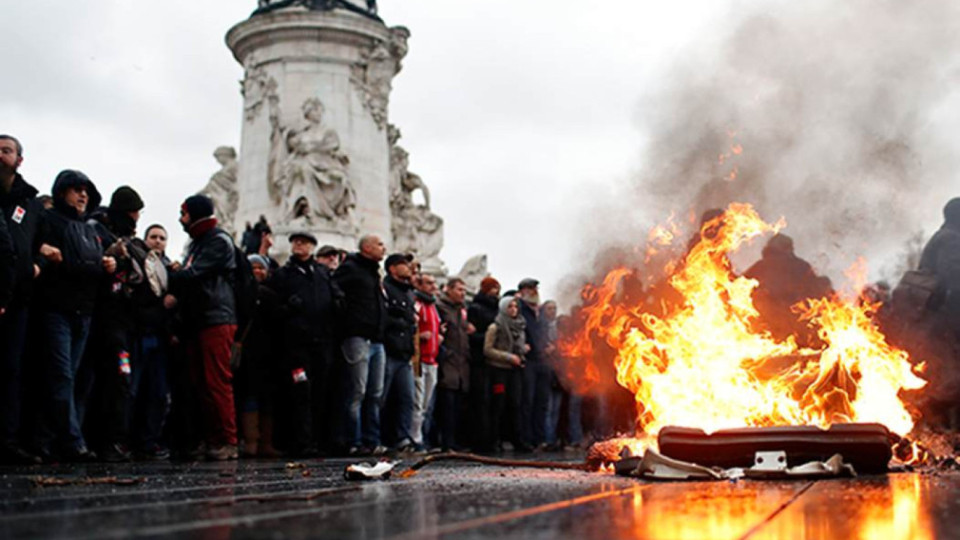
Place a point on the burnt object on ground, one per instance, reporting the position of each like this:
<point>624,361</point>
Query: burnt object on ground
<point>866,446</point>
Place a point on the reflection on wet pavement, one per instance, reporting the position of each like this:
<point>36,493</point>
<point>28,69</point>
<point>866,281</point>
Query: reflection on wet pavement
<point>257,499</point>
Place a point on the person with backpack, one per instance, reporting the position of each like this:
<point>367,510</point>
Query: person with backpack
<point>204,287</point>
<point>72,264</point>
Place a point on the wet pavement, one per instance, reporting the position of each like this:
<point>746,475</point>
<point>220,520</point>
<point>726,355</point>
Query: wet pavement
<point>310,499</point>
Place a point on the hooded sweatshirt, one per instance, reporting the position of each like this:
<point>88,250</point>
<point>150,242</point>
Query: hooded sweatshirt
<point>941,256</point>
<point>70,286</point>
<point>505,337</point>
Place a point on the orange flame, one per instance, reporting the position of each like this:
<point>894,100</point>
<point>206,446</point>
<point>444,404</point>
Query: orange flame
<point>702,361</point>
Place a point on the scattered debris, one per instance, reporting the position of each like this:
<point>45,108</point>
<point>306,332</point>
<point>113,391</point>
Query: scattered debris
<point>366,471</point>
<point>85,481</point>
<point>458,456</point>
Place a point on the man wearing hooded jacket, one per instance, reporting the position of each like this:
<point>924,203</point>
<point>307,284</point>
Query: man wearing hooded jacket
<point>72,264</point>
<point>111,351</point>
<point>202,285</point>
<point>21,213</point>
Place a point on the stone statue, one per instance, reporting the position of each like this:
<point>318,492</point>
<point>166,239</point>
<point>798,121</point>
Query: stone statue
<point>222,187</point>
<point>414,227</point>
<point>266,6</point>
<point>373,74</point>
<point>473,272</point>
<point>308,173</point>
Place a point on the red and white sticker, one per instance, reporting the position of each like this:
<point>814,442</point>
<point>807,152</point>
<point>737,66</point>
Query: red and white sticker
<point>18,214</point>
<point>299,375</point>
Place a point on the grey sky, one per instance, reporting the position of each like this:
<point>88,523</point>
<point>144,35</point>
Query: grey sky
<point>520,115</point>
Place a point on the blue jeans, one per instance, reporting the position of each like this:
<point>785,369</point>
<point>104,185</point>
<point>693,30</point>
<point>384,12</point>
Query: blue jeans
<point>537,377</point>
<point>399,379</point>
<point>364,389</point>
<point>66,338</point>
<point>574,427</point>
<point>149,392</point>
<point>13,333</point>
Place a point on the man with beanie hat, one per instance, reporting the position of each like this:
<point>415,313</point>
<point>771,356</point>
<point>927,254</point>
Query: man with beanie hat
<point>114,351</point>
<point>72,266</point>
<point>202,284</point>
<point>21,212</point>
<point>481,312</point>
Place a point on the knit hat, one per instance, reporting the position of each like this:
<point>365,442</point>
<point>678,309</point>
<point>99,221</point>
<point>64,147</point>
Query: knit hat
<point>488,284</point>
<point>258,259</point>
<point>125,199</point>
<point>198,206</point>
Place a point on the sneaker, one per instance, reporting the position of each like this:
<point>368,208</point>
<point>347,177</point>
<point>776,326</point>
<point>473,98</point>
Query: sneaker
<point>227,452</point>
<point>355,451</point>
<point>406,445</point>
<point>379,450</point>
<point>154,453</point>
<point>79,455</point>
<point>115,453</point>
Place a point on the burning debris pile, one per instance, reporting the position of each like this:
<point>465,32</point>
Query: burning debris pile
<point>706,348</point>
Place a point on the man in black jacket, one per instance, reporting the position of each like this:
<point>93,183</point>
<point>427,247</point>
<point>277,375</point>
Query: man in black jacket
<point>72,267</point>
<point>21,213</point>
<point>110,354</point>
<point>481,313</point>
<point>537,374</point>
<point>203,287</point>
<point>306,295</point>
<point>363,318</point>
<point>398,341</point>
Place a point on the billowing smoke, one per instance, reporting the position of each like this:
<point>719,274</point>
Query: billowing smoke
<point>841,117</point>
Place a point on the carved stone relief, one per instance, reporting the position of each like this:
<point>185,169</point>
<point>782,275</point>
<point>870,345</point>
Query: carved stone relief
<point>257,88</point>
<point>308,173</point>
<point>373,74</point>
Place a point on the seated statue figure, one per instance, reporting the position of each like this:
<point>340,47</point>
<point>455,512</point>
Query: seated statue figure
<point>309,176</point>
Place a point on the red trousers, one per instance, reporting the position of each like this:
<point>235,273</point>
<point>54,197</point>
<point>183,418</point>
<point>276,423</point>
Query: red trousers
<point>208,355</point>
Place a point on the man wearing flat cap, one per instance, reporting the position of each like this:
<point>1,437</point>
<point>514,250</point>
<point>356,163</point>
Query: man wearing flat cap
<point>306,294</point>
<point>537,373</point>
<point>330,257</point>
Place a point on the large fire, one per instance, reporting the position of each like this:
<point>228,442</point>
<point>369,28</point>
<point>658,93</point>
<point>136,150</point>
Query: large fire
<point>696,356</point>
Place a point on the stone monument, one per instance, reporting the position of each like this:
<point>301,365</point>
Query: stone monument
<point>222,188</point>
<point>317,150</point>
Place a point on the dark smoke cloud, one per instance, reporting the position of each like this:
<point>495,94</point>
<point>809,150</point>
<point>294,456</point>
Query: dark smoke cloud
<point>845,113</point>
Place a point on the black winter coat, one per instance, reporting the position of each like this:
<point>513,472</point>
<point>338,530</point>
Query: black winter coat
<point>536,332</point>
<point>941,256</point>
<point>203,286</point>
<point>71,285</point>
<point>481,313</point>
<point>7,265</point>
<point>401,320</point>
<point>363,312</point>
<point>307,298</point>
<point>22,213</point>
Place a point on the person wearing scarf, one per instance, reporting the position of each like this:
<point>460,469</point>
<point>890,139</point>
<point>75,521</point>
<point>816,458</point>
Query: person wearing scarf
<point>207,305</point>
<point>505,348</point>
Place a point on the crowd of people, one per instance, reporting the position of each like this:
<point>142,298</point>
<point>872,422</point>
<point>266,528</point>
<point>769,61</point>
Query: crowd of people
<point>111,351</point>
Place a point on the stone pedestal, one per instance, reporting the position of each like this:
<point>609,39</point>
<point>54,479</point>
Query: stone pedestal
<point>316,90</point>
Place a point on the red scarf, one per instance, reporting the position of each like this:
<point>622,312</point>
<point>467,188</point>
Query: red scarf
<point>202,226</point>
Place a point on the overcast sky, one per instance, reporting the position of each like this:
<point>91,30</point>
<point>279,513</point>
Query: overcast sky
<point>514,112</point>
